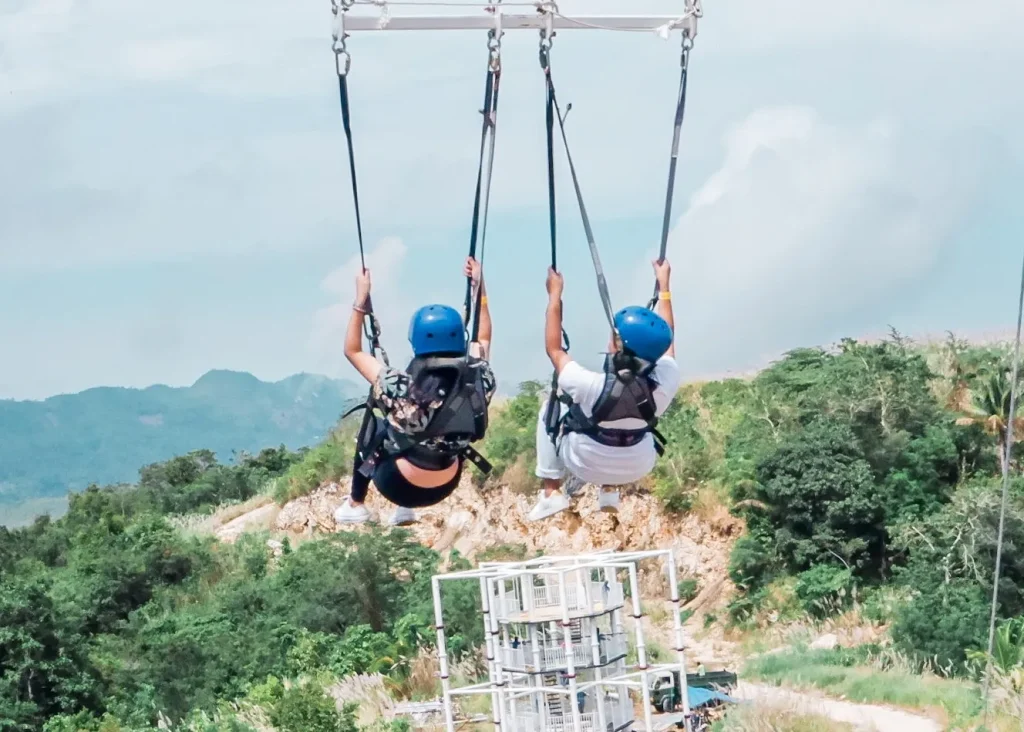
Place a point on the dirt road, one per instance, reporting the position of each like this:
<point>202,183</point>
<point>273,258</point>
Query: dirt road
<point>862,716</point>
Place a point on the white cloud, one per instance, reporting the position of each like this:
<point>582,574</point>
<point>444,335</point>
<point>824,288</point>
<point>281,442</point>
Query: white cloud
<point>803,222</point>
<point>209,130</point>
<point>385,262</point>
<point>214,128</point>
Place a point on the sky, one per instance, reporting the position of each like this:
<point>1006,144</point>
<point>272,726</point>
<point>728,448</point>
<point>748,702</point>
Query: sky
<point>174,192</point>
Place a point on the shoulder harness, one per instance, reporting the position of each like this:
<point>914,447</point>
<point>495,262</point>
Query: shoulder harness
<point>628,393</point>
<point>459,421</point>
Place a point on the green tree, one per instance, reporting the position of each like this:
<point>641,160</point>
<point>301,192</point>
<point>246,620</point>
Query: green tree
<point>949,572</point>
<point>816,498</point>
<point>43,665</point>
<point>990,408</point>
<point>1007,647</point>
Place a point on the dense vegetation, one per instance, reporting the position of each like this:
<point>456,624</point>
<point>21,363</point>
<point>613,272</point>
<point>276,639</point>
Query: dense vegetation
<point>110,618</point>
<point>867,476</point>
<point>103,435</point>
<point>870,468</point>
<point>865,473</point>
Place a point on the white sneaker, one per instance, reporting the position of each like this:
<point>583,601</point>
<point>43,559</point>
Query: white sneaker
<point>548,506</point>
<point>608,501</point>
<point>403,517</point>
<point>348,513</point>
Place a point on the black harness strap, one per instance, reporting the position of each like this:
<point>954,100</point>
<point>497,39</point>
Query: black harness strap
<point>602,283</point>
<point>549,119</point>
<point>371,326</point>
<point>666,222</point>
<point>372,448</point>
<point>346,120</point>
<point>638,389</point>
<point>481,198</point>
<point>553,416</point>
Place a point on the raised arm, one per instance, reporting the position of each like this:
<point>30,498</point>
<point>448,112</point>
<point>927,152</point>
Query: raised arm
<point>662,272</point>
<point>364,363</point>
<point>553,323</point>
<point>481,348</point>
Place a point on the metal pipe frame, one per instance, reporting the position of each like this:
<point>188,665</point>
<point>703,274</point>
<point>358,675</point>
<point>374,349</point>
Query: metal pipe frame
<point>499,677</point>
<point>677,626</point>
<point>471,690</point>
<point>594,560</point>
<point>535,21</point>
<point>442,657</point>
<point>630,678</point>
<point>492,652</point>
<point>570,657</point>
<point>641,646</point>
<point>595,649</point>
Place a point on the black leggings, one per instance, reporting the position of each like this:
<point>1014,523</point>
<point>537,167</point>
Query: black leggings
<point>389,479</point>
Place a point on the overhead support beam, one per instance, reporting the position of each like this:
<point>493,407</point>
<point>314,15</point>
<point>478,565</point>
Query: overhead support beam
<point>535,21</point>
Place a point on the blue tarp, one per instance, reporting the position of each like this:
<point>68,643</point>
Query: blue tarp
<point>701,697</point>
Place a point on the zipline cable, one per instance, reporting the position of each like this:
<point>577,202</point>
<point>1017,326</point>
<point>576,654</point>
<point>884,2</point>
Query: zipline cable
<point>482,197</point>
<point>666,221</point>
<point>343,62</point>
<point>1008,448</point>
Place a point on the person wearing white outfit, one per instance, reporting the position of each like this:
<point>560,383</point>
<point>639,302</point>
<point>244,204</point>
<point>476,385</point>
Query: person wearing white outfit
<point>620,448</point>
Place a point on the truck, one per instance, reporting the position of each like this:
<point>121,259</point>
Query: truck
<point>664,688</point>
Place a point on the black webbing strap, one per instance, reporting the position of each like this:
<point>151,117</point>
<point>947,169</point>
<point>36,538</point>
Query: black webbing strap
<point>553,415</point>
<point>371,326</point>
<point>666,221</point>
<point>602,283</point>
<point>481,198</point>
<point>549,119</point>
<point>346,120</point>
<point>371,445</point>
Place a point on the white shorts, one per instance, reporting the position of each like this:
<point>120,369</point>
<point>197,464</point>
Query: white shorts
<point>590,461</point>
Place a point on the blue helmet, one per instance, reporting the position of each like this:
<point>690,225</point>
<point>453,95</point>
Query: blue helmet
<point>644,333</point>
<point>437,329</point>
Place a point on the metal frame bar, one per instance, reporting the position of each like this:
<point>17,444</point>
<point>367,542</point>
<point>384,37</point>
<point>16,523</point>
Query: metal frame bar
<point>536,21</point>
<point>595,560</point>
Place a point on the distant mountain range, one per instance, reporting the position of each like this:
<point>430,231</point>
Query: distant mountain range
<point>105,435</point>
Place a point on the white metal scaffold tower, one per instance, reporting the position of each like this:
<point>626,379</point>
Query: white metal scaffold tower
<point>557,644</point>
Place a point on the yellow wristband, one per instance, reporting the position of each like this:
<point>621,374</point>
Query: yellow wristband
<point>483,300</point>
<point>665,295</point>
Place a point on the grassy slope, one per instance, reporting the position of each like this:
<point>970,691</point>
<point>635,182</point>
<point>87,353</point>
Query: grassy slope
<point>840,674</point>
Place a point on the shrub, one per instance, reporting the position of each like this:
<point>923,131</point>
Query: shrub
<point>825,589</point>
<point>752,563</point>
<point>686,461</point>
<point>503,553</point>
<point>688,588</point>
<point>511,434</point>
<point>306,708</point>
<point>942,622</point>
<point>330,460</point>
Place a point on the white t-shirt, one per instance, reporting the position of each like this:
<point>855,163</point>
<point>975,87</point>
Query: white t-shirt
<point>600,464</point>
